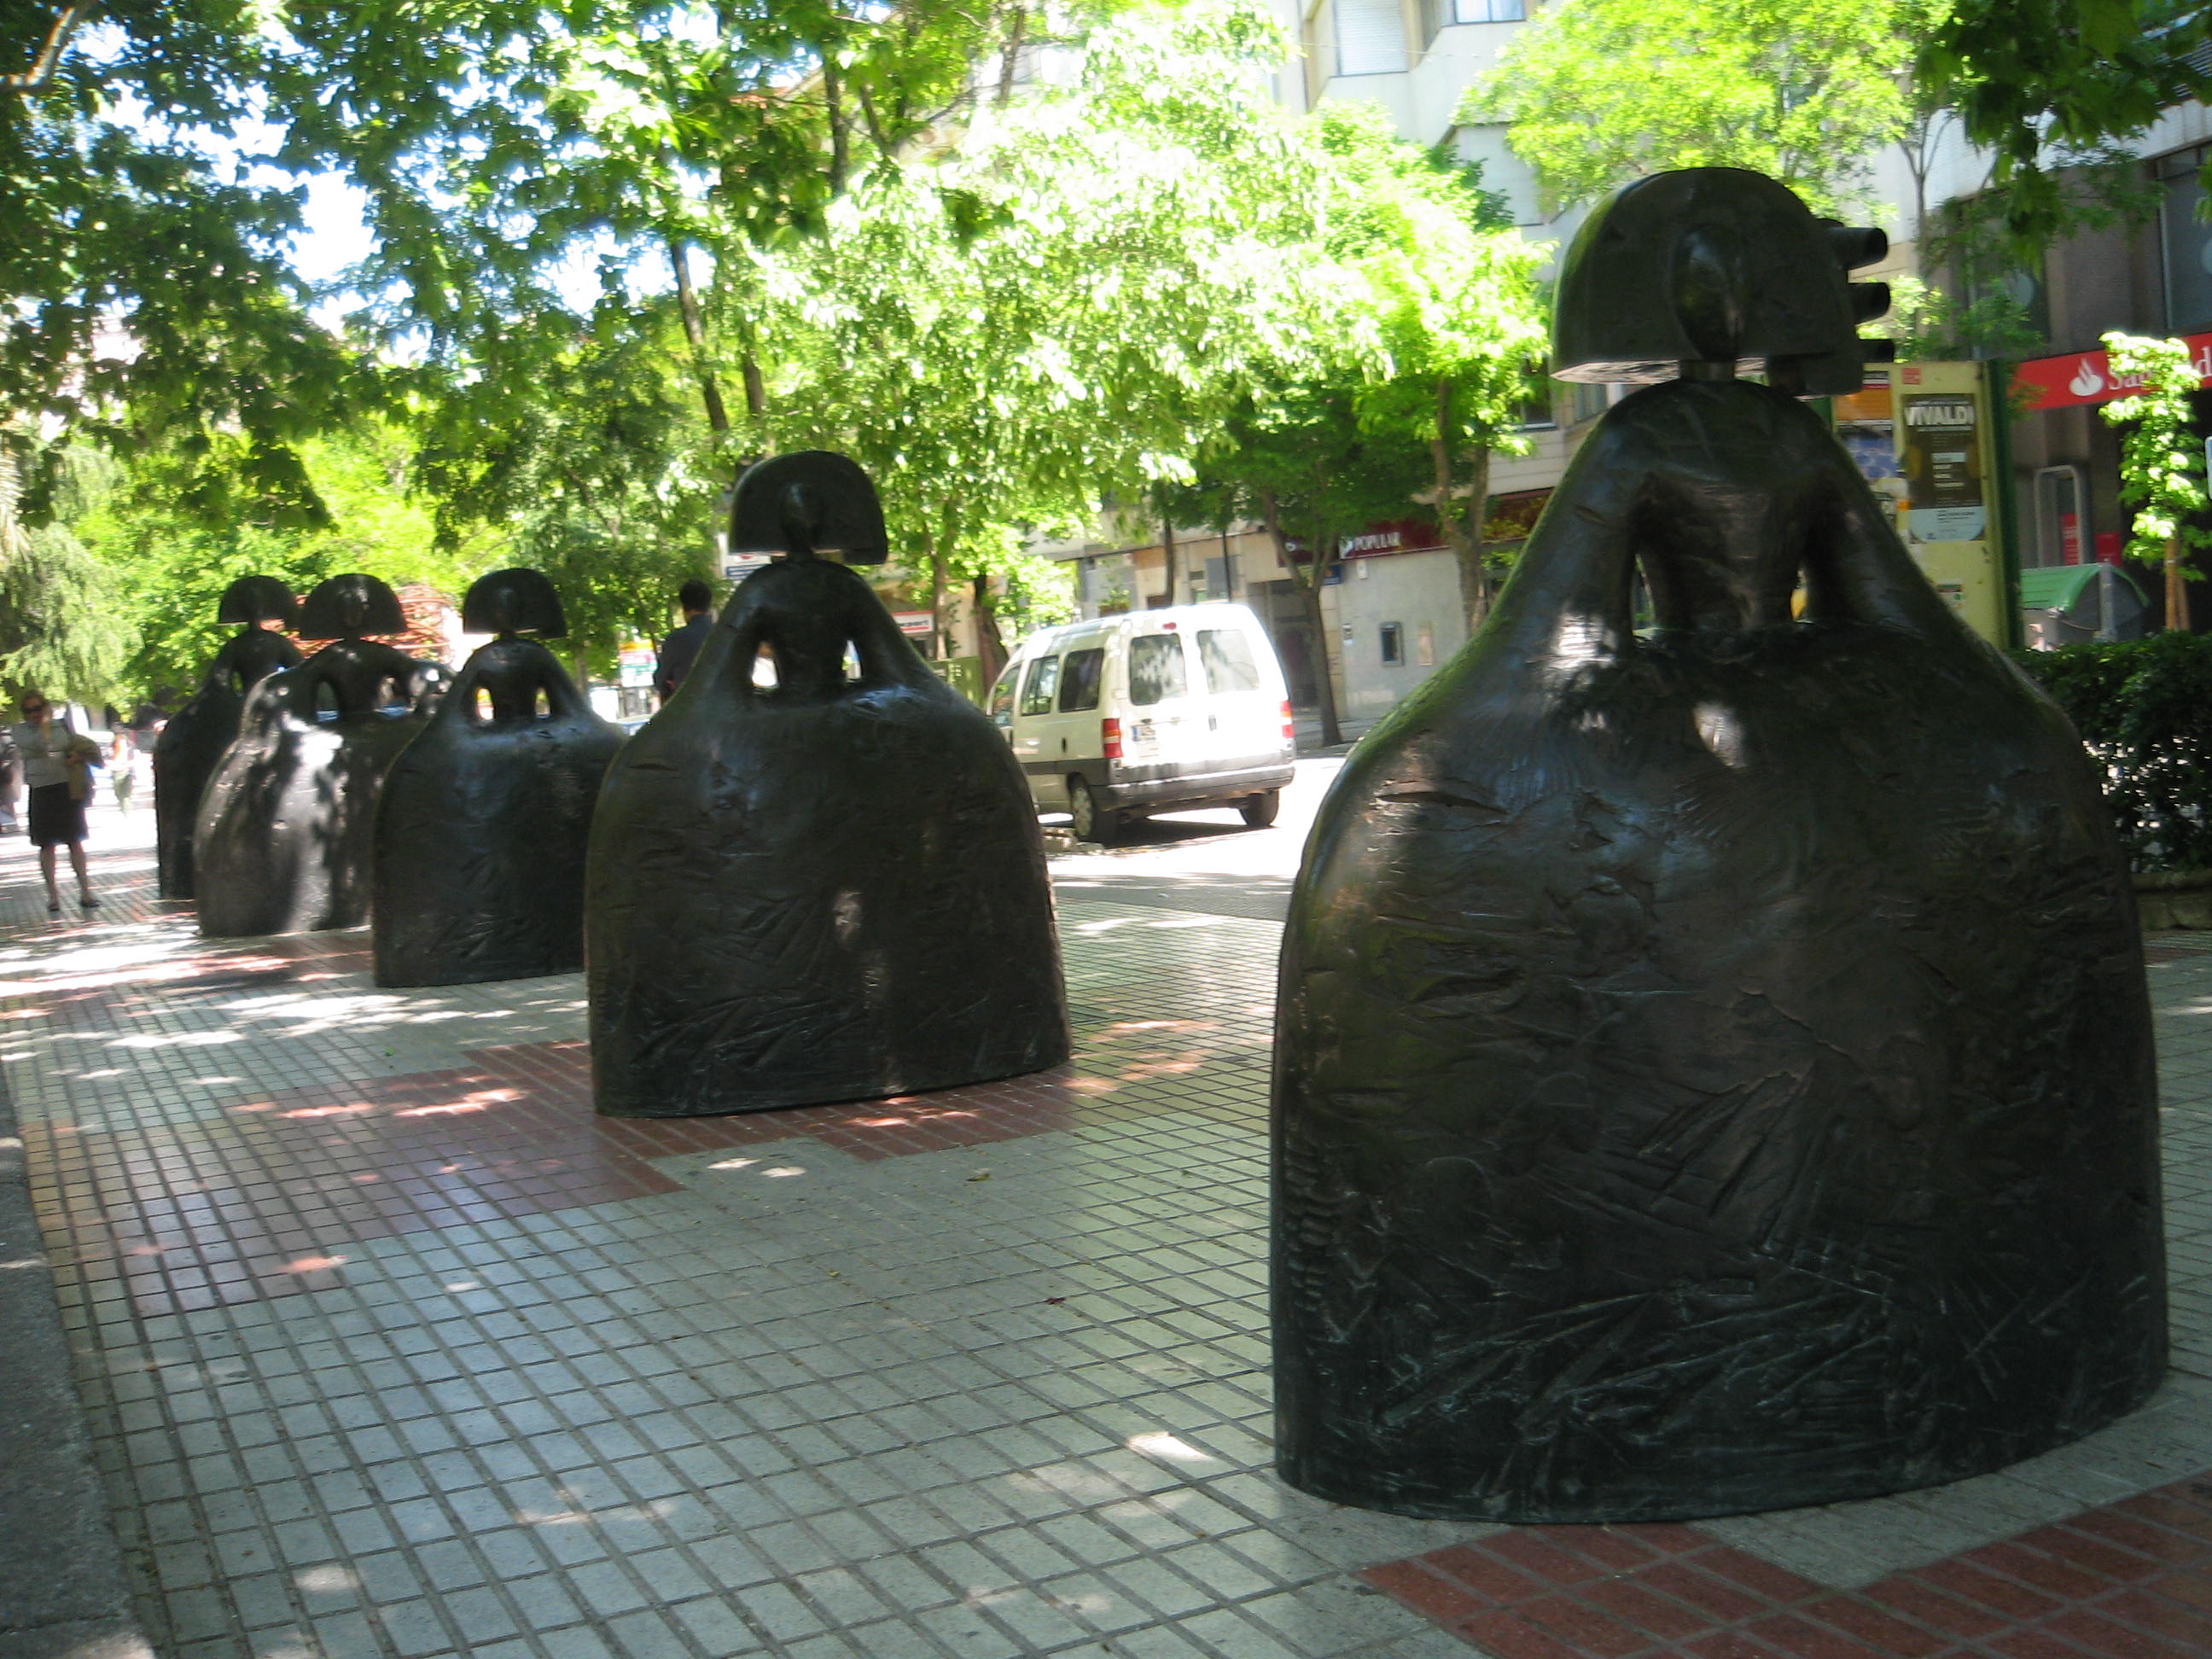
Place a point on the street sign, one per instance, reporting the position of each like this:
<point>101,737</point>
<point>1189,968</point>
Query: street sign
<point>912,622</point>
<point>736,567</point>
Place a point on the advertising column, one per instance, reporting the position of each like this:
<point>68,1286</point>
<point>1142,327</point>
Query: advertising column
<point>1946,463</point>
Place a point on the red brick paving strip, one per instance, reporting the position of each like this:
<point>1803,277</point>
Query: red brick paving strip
<point>2132,1580</point>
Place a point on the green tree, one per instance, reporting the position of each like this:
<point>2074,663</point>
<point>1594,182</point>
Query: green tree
<point>597,465</point>
<point>1599,92</point>
<point>1063,306</point>
<point>62,626</point>
<point>2161,459</point>
<point>146,299</point>
<point>2041,83</point>
<point>1446,291</point>
<point>1296,459</point>
<point>168,566</point>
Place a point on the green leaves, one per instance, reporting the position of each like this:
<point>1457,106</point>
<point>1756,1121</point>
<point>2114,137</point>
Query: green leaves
<point>1598,91</point>
<point>2161,459</point>
<point>2039,83</point>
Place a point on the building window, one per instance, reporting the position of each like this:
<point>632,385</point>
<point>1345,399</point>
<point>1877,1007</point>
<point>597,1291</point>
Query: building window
<point>1393,643</point>
<point>1371,38</point>
<point>2186,243</point>
<point>1438,13</point>
<point>1587,400</point>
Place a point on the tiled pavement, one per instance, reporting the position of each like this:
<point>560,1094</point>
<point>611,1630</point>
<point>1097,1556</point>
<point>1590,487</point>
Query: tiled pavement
<point>390,1348</point>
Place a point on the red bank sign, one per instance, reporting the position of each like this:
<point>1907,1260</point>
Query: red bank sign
<point>2085,377</point>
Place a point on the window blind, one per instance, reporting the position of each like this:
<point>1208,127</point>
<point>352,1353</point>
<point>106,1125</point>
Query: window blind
<point>1370,37</point>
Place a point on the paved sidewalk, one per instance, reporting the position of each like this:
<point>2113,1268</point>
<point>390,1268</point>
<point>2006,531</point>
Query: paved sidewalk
<point>389,1347</point>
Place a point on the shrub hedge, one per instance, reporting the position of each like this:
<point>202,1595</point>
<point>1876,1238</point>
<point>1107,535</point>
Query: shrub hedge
<point>2144,708</point>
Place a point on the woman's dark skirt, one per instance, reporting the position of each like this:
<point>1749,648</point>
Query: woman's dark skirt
<point>56,820</point>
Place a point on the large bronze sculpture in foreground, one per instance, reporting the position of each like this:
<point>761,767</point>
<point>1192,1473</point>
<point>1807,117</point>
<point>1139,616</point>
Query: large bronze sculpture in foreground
<point>832,888</point>
<point>482,821</point>
<point>288,822</point>
<point>1714,1067</point>
<point>192,743</point>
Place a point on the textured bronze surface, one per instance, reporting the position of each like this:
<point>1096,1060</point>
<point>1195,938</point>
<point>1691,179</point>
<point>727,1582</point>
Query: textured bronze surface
<point>1714,1067</point>
<point>482,821</point>
<point>191,743</point>
<point>287,823</point>
<point>828,889</point>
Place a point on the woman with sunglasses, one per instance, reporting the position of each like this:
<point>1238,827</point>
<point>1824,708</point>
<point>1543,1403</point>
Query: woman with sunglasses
<point>55,761</point>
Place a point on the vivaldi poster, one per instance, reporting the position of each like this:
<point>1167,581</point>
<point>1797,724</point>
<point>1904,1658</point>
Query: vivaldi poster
<point>1942,466</point>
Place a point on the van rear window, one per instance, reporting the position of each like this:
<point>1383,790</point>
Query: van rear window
<point>1156,672</point>
<point>1038,688</point>
<point>1227,655</point>
<point>1078,680</point>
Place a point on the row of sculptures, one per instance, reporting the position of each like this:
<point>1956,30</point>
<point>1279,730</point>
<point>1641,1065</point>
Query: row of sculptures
<point>1713,1067</point>
<point>781,877</point>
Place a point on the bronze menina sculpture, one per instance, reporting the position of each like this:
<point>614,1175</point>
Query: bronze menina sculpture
<point>831,888</point>
<point>1714,1070</point>
<point>286,825</point>
<point>482,822</point>
<point>192,744</point>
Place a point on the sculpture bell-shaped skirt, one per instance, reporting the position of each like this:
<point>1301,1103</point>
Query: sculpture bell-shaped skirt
<point>829,890</point>
<point>286,826</point>
<point>1714,1070</point>
<point>482,826</point>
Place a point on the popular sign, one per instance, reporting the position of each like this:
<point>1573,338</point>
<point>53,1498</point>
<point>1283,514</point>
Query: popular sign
<point>2086,377</point>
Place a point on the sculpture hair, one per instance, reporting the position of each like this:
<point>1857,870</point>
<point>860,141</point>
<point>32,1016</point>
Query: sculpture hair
<point>516,601</point>
<point>252,600</point>
<point>1708,272</point>
<point>349,607</point>
<point>801,502</point>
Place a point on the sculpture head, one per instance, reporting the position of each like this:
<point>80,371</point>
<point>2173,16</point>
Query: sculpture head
<point>348,607</point>
<point>511,602</point>
<point>1710,271</point>
<point>800,503</point>
<point>252,600</point>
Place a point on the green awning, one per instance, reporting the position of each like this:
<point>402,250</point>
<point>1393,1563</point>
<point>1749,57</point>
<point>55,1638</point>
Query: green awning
<point>2054,587</point>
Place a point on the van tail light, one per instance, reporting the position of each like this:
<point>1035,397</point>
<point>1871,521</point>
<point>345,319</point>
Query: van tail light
<point>1109,739</point>
<point>1290,723</point>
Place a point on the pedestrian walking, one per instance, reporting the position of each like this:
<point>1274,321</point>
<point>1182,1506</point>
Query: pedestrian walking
<point>122,761</point>
<point>58,766</point>
<point>681,649</point>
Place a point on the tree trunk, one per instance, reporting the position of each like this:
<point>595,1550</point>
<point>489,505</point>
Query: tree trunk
<point>1332,730</point>
<point>1462,535</point>
<point>1010,60</point>
<point>756,387</point>
<point>990,644</point>
<point>2177,590</point>
<point>833,95</point>
<point>1475,584</point>
<point>695,332</point>
<point>1168,554</point>
<point>939,576</point>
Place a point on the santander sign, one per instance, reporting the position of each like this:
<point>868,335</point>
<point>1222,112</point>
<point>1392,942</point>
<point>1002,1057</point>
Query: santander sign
<point>2086,377</point>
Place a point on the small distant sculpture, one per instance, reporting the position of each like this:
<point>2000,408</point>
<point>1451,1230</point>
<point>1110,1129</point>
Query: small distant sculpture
<point>482,822</point>
<point>287,824</point>
<point>831,888</point>
<point>1713,1067</point>
<point>192,744</point>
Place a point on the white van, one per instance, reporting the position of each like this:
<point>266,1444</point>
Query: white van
<point>1153,711</point>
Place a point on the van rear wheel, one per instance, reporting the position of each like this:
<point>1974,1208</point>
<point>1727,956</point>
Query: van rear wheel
<point>1091,822</point>
<point>1260,810</point>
